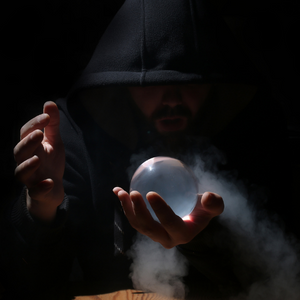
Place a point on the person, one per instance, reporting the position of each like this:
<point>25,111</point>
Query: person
<point>159,83</point>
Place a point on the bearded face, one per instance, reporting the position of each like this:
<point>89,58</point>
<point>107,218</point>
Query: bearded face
<point>170,109</point>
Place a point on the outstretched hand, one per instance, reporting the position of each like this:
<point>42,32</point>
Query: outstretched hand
<point>172,230</point>
<point>40,161</point>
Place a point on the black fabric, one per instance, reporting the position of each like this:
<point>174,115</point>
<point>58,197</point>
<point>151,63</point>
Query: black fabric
<point>164,42</point>
<point>30,228</point>
<point>32,254</point>
<point>95,163</point>
<point>104,269</point>
<point>92,170</point>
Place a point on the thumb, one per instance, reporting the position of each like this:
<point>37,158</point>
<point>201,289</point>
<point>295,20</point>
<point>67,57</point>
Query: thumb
<point>209,205</point>
<point>52,129</point>
<point>212,203</point>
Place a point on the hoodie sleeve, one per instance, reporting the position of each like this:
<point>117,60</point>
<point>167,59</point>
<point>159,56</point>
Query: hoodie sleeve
<point>31,229</point>
<point>40,256</point>
<point>37,257</point>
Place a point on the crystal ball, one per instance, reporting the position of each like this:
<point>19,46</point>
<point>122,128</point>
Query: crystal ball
<point>171,179</point>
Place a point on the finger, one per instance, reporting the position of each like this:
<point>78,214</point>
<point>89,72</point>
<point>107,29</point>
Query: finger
<point>209,205</point>
<point>134,206</point>
<point>134,210</point>
<point>38,122</point>
<point>141,211</point>
<point>126,203</point>
<point>163,211</point>
<point>52,129</point>
<point>212,204</point>
<point>116,190</point>
<point>145,223</point>
<point>27,146</point>
<point>172,223</point>
<point>25,170</point>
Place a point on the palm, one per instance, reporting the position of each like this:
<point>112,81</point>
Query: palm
<point>52,163</point>
<point>171,230</point>
<point>41,158</point>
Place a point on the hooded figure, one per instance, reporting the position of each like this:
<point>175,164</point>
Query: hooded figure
<point>149,44</point>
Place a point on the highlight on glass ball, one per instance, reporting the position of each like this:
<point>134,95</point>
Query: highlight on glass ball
<point>171,179</point>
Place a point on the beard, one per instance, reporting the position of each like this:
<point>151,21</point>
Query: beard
<point>168,112</point>
<point>167,142</point>
<point>170,143</point>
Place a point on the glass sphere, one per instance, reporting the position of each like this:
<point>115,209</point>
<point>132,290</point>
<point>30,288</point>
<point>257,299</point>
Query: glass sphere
<point>171,179</point>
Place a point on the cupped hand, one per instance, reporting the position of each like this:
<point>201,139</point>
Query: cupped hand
<point>40,158</point>
<point>172,230</point>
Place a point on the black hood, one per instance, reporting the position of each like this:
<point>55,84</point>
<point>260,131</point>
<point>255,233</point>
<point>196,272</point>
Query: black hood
<point>166,42</point>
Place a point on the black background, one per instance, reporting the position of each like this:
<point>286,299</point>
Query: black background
<point>46,44</point>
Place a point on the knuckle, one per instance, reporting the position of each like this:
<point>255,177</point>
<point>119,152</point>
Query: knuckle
<point>167,222</point>
<point>22,130</point>
<point>184,240</point>
<point>147,231</point>
<point>144,229</point>
<point>19,148</point>
<point>17,173</point>
<point>37,122</point>
<point>168,245</point>
<point>21,176</point>
<point>16,151</point>
<point>25,129</point>
<point>25,171</point>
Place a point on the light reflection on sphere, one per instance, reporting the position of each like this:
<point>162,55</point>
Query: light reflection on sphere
<point>171,179</point>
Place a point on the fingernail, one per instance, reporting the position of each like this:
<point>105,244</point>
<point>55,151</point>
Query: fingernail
<point>47,183</point>
<point>209,199</point>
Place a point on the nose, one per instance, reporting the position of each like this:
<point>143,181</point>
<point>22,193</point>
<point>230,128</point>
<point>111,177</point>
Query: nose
<point>171,96</point>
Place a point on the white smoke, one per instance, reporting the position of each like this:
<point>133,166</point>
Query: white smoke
<point>260,243</point>
<point>156,269</point>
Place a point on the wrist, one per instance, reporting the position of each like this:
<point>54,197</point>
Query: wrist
<point>40,210</point>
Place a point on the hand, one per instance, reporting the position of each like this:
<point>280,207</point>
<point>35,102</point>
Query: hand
<point>172,230</point>
<point>40,161</point>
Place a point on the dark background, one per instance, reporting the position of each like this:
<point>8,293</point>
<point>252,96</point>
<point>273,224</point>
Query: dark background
<point>46,44</point>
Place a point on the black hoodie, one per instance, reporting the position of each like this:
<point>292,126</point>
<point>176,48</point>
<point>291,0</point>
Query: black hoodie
<point>148,43</point>
<point>164,42</point>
